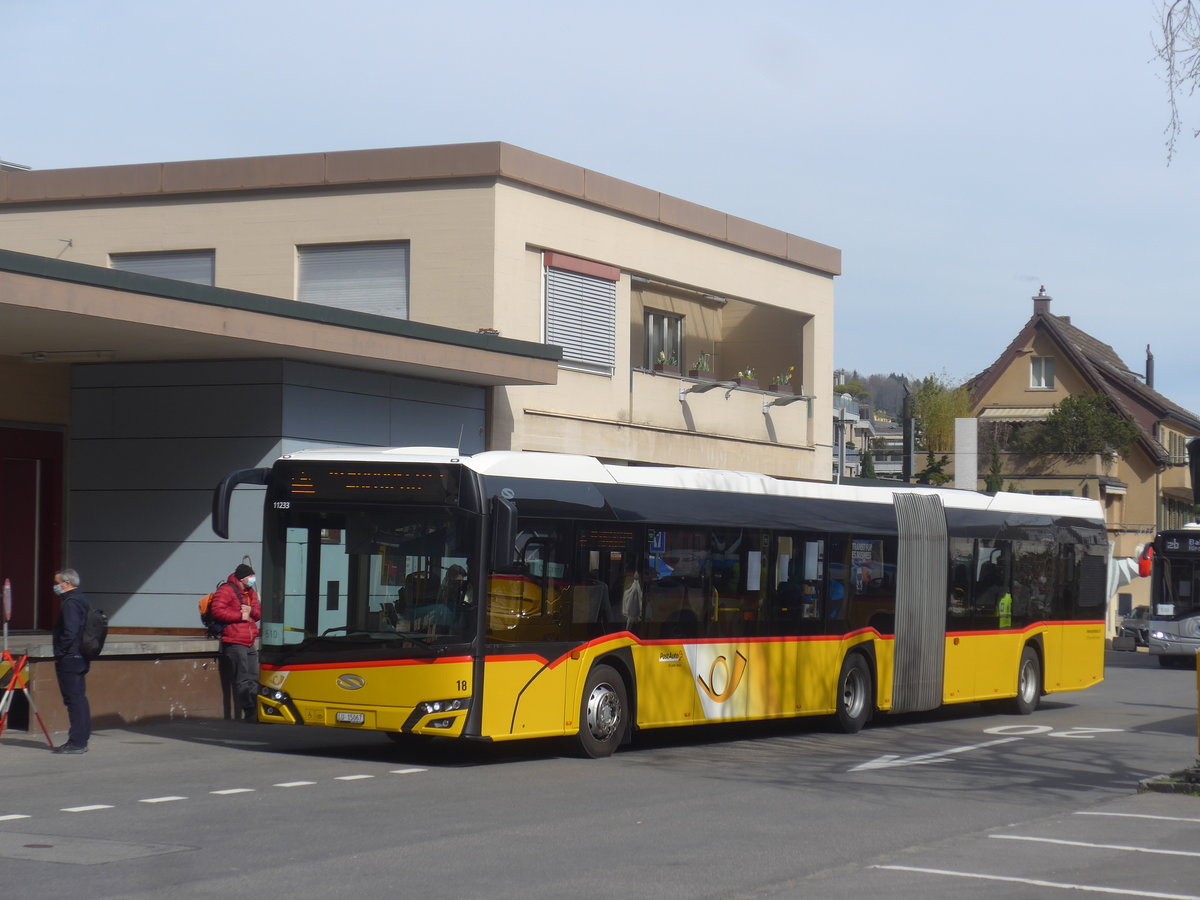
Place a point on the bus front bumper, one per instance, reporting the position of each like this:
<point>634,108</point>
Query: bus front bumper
<point>432,717</point>
<point>1163,644</point>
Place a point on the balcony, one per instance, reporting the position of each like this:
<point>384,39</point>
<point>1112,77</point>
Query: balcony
<point>758,425</point>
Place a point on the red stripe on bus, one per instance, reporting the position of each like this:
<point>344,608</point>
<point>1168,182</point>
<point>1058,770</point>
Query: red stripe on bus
<point>366,664</point>
<point>1024,630</point>
<point>662,642</point>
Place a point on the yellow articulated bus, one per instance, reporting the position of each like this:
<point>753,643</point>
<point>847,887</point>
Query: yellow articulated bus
<point>509,595</point>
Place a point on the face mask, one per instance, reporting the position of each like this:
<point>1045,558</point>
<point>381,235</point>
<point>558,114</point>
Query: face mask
<point>250,582</point>
<point>60,589</point>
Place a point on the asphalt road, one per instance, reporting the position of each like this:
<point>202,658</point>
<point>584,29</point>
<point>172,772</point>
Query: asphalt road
<point>968,802</point>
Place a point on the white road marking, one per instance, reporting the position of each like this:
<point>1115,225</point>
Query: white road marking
<point>1037,882</point>
<point>223,793</point>
<point>893,760</point>
<point>1139,816</point>
<point>1125,847</point>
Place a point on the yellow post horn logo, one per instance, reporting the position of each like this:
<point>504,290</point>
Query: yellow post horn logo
<point>731,681</point>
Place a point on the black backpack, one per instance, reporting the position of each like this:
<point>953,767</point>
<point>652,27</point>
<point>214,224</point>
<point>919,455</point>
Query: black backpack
<point>95,633</point>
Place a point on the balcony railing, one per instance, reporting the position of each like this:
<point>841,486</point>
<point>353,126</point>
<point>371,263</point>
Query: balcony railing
<point>721,408</point>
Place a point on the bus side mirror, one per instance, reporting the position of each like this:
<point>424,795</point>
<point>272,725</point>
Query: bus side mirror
<point>223,494</point>
<point>504,533</point>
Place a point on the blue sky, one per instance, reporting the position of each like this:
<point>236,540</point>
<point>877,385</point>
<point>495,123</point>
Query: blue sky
<point>960,154</point>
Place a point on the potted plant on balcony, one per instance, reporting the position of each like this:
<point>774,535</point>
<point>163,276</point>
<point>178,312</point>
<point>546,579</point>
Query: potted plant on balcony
<point>782,383</point>
<point>703,366</point>
<point>667,363</point>
<point>747,377</point>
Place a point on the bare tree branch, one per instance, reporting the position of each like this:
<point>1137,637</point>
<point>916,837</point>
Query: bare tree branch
<point>1177,44</point>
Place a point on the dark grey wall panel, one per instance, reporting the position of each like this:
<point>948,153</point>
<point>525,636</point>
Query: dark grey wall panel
<point>173,411</point>
<point>428,425</point>
<point>165,464</point>
<point>350,381</point>
<point>197,372</point>
<point>149,442</point>
<point>346,417</point>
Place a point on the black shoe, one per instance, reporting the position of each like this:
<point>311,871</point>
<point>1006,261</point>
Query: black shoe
<point>68,747</point>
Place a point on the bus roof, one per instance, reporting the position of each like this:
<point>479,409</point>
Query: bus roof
<point>571,467</point>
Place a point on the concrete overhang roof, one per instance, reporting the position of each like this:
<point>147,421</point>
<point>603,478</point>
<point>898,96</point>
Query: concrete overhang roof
<point>53,307</point>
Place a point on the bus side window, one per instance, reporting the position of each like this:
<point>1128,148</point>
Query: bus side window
<point>605,595</point>
<point>872,584</point>
<point>737,560</point>
<point>797,600</point>
<point>990,608</point>
<point>958,604</point>
<point>677,595</point>
<point>839,573</point>
<point>526,602</point>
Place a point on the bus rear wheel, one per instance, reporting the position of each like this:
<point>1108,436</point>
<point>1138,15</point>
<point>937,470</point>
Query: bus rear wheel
<point>603,712</point>
<point>854,694</point>
<point>1029,683</point>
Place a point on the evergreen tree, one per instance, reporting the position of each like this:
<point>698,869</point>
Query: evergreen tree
<point>934,472</point>
<point>868,464</point>
<point>1078,426</point>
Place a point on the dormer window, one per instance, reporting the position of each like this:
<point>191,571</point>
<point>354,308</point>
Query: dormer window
<point>1041,373</point>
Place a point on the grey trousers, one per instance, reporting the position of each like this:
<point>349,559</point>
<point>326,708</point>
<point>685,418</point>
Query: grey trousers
<point>243,673</point>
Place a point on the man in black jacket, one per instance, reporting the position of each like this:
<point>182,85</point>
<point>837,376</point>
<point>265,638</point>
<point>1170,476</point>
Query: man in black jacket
<point>70,665</point>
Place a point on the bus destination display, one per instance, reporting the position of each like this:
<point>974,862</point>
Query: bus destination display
<point>373,484</point>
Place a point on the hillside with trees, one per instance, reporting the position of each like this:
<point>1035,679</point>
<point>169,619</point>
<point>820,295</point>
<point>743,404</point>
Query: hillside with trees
<point>885,393</point>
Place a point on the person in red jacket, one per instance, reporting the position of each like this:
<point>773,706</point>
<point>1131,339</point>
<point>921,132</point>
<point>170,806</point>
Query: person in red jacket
<point>235,605</point>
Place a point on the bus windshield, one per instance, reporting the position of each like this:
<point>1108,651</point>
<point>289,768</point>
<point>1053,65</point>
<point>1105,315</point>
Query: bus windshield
<point>1177,594</point>
<point>371,577</point>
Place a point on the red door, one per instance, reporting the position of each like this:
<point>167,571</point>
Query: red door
<point>31,490</point>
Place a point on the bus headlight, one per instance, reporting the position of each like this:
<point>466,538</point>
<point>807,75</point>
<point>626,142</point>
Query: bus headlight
<point>1158,635</point>
<point>273,694</point>
<point>428,707</point>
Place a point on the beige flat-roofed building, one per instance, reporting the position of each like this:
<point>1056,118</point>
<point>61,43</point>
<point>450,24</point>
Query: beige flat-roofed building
<point>164,324</point>
<point>639,288</point>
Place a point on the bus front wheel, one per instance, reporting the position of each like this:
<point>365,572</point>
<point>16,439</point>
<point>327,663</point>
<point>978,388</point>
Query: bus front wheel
<point>1029,683</point>
<point>603,712</point>
<point>854,694</point>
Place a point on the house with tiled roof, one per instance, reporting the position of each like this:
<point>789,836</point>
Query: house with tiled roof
<point>1148,489</point>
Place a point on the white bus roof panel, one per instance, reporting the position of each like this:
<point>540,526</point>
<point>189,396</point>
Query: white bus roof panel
<point>588,469</point>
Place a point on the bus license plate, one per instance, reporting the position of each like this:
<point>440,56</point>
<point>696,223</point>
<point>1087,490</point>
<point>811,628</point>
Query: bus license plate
<point>350,718</point>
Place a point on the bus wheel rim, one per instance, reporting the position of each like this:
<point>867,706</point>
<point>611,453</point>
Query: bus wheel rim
<point>1028,685</point>
<point>603,712</point>
<point>853,693</point>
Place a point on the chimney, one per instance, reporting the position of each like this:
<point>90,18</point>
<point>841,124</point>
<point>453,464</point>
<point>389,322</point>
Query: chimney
<point>1149,367</point>
<point>1041,302</point>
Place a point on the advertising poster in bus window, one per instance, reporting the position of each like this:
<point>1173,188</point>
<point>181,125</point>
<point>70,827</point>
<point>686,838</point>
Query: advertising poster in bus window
<point>866,560</point>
